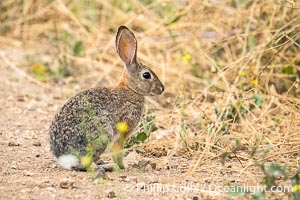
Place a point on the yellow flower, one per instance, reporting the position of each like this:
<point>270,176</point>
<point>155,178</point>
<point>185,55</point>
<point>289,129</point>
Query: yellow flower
<point>187,57</point>
<point>296,188</point>
<point>254,81</point>
<point>39,71</point>
<point>86,160</point>
<point>122,127</point>
<point>243,73</point>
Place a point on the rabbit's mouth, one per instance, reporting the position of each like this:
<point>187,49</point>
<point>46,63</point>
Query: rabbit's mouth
<point>158,91</point>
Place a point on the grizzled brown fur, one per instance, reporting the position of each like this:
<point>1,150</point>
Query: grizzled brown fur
<point>94,113</point>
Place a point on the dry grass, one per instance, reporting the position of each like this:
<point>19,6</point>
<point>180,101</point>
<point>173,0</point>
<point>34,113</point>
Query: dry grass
<point>231,71</point>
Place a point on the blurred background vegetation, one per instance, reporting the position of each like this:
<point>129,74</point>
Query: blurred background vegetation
<point>231,67</point>
<point>194,43</point>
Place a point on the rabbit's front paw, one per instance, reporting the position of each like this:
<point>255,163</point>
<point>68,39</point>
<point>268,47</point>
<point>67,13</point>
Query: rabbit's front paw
<point>109,167</point>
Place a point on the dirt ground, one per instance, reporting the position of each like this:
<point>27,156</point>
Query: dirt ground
<point>27,170</point>
<point>231,71</point>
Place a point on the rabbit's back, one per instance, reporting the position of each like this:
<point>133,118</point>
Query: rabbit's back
<point>90,119</point>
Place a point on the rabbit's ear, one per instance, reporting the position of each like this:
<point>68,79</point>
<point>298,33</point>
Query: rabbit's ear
<point>126,45</point>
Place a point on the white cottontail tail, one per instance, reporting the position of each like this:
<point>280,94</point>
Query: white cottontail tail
<point>89,121</point>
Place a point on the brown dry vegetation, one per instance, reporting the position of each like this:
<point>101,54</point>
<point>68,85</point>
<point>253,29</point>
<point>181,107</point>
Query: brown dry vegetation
<point>231,105</point>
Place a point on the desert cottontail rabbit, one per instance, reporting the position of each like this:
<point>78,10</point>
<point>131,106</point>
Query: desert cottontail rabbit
<point>89,121</point>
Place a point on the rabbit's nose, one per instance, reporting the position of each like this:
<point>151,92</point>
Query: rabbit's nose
<point>162,88</point>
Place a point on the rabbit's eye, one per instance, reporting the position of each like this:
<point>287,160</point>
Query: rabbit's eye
<point>146,75</point>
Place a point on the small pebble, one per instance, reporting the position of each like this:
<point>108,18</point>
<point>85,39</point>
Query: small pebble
<point>192,198</point>
<point>36,143</point>
<point>31,105</point>
<point>53,166</point>
<point>123,177</point>
<point>20,98</point>
<point>66,184</point>
<point>190,179</point>
<point>132,159</point>
<point>131,179</point>
<point>141,185</point>
<point>13,144</point>
<point>110,194</point>
<point>27,173</point>
<point>148,168</point>
<point>153,165</point>
<point>52,189</point>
